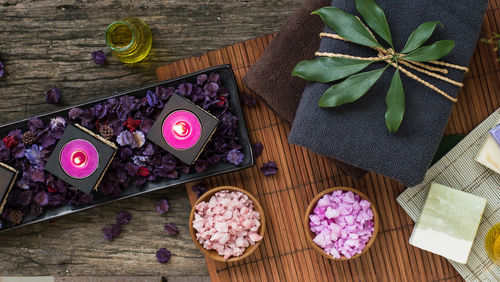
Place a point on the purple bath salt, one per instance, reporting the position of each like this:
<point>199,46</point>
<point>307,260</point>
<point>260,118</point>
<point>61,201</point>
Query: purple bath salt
<point>343,223</point>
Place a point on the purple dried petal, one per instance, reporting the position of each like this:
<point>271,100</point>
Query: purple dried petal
<point>19,151</point>
<point>162,206</point>
<point>171,229</point>
<point>202,78</point>
<point>47,140</point>
<point>2,72</point>
<point>185,89</point>
<point>200,166</point>
<point>146,125</point>
<point>37,175</point>
<point>123,218</point>
<point>41,198</point>
<point>214,77</point>
<point>53,95</point>
<point>56,200</point>
<point>34,154</point>
<point>269,168</point>
<point>249,100</point>
<point>199,189</point>
<point>211,89</point>
<point>86,199</point>
<point>149,150</point>
<point>99,57</point>
<point>107,233</point>
<point>35,123</point>
<point>125,138</point>
<point>235,157</point>
<point>151,98</point>
<point>140,160</point>
<point>57,122</point>
<point>23,183</point>
<point>257,149</point>
<point>125,153</point>
<point>99,111</point>
<point>163,255</point>
<point>25,197</point>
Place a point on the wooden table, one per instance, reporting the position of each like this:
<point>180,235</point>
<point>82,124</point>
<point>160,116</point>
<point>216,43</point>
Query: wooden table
<point>49,43</point>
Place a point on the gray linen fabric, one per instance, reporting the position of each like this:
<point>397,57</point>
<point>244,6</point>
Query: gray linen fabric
<point>356,133</point>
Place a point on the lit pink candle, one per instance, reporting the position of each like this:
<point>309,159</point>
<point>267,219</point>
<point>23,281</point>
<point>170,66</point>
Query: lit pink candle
<point>181,129</point>
<point>79,158</point>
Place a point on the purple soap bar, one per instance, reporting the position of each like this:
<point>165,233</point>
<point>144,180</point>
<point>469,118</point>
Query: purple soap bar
<point>495,133</point>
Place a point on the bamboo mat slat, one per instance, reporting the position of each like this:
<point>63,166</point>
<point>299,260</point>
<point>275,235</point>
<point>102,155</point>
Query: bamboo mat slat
<point>285,255</point>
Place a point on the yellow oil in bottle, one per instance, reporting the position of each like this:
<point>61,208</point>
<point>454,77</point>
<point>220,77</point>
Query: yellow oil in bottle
<point>129,39</point>
<point>492,243</point>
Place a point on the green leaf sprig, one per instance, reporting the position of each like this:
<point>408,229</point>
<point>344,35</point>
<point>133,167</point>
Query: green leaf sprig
<point>331,67</point>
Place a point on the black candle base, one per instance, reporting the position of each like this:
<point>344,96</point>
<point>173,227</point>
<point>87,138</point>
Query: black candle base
<point>8,177</point>
<point>106,151</point>
<point>208,126</point>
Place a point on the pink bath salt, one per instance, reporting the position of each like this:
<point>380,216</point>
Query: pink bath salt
<point>227,223</point>
<point>343,223</point>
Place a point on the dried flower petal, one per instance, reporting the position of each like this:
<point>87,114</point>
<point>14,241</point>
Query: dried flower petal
<point>99,57</point>
<point>143,171</point>
<point>125,138</point>
<point>34,154</point>
<point>235,157</point>
<point>75,113</point>
<point>257,149</point>
<point>139,139</point>
<point>249,100</point>
<point>123,218</point>
<point>199,189</point>
<point>269,168</point>
<point>42,198</point>
<point>53,95</point>
<point>2,69</point>
<point>57,122</point>
<point>171,229</point>
<point>163,255</point>
<point>162,206</point>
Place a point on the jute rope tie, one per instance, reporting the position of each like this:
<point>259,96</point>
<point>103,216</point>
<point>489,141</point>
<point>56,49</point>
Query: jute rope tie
<point>388,54</point>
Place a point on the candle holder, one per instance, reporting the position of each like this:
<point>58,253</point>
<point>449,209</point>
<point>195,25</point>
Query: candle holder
<point>8,177</point>
<point>183,129</point>
<point>81,158</point>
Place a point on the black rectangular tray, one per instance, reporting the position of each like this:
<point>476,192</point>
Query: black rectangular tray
<point>227,79</point>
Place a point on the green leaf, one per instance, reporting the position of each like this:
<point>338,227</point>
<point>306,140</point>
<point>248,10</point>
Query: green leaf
<point>395,104</point>
<point>435,51</point>
<point>447,143</point>
<point>328,69</point>
<point>351,89</point>
<point>418,37</point>
<point>347,26</point>
<point>375,18</point>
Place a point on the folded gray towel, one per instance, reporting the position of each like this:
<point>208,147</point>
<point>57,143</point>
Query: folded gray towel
<point>356,133</point>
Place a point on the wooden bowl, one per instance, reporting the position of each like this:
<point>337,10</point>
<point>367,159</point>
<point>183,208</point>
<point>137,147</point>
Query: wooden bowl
<point>310,235</point>
<point>212,253</point>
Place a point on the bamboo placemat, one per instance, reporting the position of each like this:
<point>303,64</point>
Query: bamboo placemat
<point>459,170</point>
<point>285,255</point>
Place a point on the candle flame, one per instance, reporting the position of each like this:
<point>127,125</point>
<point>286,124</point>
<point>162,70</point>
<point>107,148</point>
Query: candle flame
<point>181,129</point>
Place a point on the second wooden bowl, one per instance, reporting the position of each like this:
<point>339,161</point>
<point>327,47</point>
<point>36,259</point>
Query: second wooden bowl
<point>310,235</point>
<point>212,253</point>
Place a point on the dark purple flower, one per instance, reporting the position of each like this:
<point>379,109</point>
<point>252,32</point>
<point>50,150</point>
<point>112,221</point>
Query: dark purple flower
<point>257,149</point>
<point>200,165</point>
<point>185,89</point>
<point>235,157</point>
<point>53,95</point>
<point>42,198</point>
<point>151,98</point>
<point>86,199</point>
<point>214,77</point>
<point>75,113</point>
<point>100,111</point>
<point>171,229</point>
<point>125,138</point>
<point>125,153</point>
<point>2,72</point>
<point>211,89</point>
<point>123,218</point>
<point>269,168</point>
<point>99,57</point>
<point>37,175</point>
<point>249,100</point>
<point>163,255</point>
<point>19,151</point>
<point>162,206</point>
<point>34,154</point>
<point>199,189</point>
<point>35,123</point>
<point>202,78</point>
<point>113,232</point>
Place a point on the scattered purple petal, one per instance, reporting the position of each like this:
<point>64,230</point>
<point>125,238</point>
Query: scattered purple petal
<point>235,157</point>
<point>42,198</point>
<point>53,95</point>
<point>163,255</point>
<point>99,57</point>
<point>249,100</point>
<point>171,229</point>
<point>123,218</point>
<point>75,113</point>
<point>269,168</point>
<point>257,149</point>
<point>162,206</point>
<point>2,72</point>
<point>57,122</point>
<point>199,189</point>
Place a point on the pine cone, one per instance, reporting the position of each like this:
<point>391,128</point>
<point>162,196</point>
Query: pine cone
<point>16,216</point>
<point>106,131</point>
<point>28,138</point>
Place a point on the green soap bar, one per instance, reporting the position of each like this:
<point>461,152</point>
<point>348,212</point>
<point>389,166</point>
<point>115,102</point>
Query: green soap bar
<point>448,222</point>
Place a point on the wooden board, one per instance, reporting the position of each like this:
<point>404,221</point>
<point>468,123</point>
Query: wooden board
<point>285,255</point>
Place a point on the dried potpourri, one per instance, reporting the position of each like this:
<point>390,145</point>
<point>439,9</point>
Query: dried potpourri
<point>137,160</point>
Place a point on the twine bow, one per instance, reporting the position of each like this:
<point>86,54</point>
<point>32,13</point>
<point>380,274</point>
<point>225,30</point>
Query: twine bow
<point>388,54</point>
